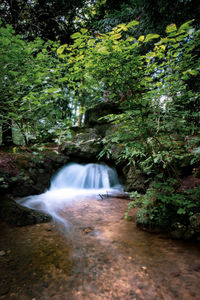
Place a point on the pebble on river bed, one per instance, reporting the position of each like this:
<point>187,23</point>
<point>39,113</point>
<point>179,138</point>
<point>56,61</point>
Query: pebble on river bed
<point>2,253</point>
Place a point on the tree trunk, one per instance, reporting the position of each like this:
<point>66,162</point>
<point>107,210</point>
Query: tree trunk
<point>7,139</point>
<point>80,116</point>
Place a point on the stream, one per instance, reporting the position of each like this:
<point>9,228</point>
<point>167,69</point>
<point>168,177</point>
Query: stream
<point>98,256</point>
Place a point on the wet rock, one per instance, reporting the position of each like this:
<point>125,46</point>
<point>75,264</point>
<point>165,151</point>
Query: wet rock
<point>134,179</point>
<point>146,225</point>
<point>189,234</point>
<point>193,230</point>
<point>86,144</point>
<point>15,214</point>
<point>178,230</point>
<point>28,174</point>
<point>4,289</point>
<point>87,230</point>
<point>195,222</point>
<point>115,151</point>
<point>2,253</point>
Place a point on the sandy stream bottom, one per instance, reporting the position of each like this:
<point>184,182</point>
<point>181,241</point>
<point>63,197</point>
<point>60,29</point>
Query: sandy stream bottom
<point>100,256</point>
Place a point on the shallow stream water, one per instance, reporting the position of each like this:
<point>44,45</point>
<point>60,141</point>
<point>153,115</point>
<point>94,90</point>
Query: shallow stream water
<point>99,256</point>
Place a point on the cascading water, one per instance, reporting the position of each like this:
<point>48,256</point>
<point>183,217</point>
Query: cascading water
<point>90,176</point>
<point>74,182</point>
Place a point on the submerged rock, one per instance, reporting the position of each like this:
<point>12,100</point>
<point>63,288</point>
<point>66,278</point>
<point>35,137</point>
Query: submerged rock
<point>178,230</point>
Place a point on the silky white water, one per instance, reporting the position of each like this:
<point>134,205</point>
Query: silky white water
<point>72,183</point>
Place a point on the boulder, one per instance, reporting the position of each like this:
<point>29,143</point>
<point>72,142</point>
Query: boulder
<point>30,174</point>
<point>193,231</point>
<point>15,214</point>
<point>93,115</point>
<point>23,175</point>
<point>195,222</point>
<point>178,230</point>
<point>134,179</point>
<point>85,145</point>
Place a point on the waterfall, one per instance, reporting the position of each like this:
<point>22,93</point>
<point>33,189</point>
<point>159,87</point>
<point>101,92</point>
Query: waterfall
<point>72,183</point>
<point>90,176</point>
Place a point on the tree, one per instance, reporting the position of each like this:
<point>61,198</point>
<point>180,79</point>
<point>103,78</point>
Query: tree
<point>154,15</point>
<point>152,89</point>
<point>158,130</point>
<point>11,59</point>
<point>34,96</point>
<point>50,20</point>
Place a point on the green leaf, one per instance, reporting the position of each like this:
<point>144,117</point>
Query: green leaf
<point>116,36</point>
<point>14,178</point>
<point>150,36</point>
<point>141,38</point>
<point>193,72</point>
<point>60,50</point>
<point>91,42</point>
<point>185,26</point>
<point>62,56</point>
<point>181,211</point>
<point>84,30</point>
<point>123,27</point>
<point>76,35</point>
<point>171,28</point>
<point>176,45</point>
<point>132,24</point>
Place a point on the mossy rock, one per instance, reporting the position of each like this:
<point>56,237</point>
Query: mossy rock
<point>93,115</point>
<point>135,180</point>
<point>22,161</point>
<point>86,144</point>
<point>15,214</point>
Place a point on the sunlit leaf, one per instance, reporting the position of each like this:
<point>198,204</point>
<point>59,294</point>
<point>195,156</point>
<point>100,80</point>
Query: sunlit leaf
<point>171,28</point>
<point>150,37</point>
<point>141,38</point>
<point>185,26</point>
<point>76,35</point>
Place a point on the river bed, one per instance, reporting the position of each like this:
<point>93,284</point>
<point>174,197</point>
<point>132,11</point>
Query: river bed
<point>99,256</point>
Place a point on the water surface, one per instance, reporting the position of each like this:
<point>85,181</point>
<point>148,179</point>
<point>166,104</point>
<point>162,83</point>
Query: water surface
<point>102,256</point>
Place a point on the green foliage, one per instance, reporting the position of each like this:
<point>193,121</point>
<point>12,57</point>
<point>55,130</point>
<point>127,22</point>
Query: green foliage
<point>160,118</point>
<point>162,204</point>
<point>46,87</point>
<point>161,111</point>
<point>34,97</point>
<point>44,91</point>
<point>154,16</point>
